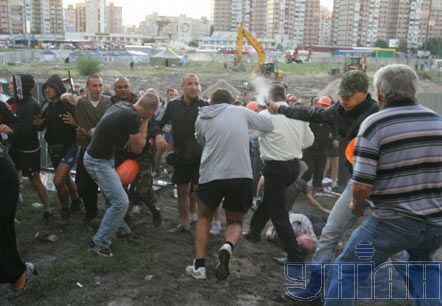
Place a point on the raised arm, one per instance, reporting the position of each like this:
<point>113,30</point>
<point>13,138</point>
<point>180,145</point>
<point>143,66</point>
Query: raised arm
<point>306,113</point>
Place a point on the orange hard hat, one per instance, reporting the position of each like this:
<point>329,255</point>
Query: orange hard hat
<point>128,171</point>
<point>350,150</point>
<point>252,105</point>
<point>325,100</point>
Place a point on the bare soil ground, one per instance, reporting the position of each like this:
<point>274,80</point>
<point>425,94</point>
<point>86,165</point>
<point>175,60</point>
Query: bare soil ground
<point>151,271</point>
<point>142,272</point>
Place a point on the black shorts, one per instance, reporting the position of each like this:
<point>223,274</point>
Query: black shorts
<point>183,174</point>
<point>27,162</point>
<point>237,194</point>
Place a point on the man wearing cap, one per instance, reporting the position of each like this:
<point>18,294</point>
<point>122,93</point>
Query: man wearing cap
<point>355,104</point>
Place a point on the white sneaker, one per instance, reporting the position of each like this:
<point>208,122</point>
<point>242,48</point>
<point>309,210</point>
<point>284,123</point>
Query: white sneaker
<point>216,228</point>
<point>193,218</point>
<point>199,273</point>
<point>224,254</point>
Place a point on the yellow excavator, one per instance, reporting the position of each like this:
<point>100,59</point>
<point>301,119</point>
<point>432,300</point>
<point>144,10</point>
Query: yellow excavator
<point>268,70</point>
<point>356,63</point>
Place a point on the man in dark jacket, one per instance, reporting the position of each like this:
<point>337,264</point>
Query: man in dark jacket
<point>25,145</point>
<point>123,92</point>
<point>7,120</point>
<point>60,137</point>
<point>182,113</point>
<point>355,105</point>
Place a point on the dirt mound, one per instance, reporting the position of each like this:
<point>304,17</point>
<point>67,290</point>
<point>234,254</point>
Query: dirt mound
<point>427,86</point>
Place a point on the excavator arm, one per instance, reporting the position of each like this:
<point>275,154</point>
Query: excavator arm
<point>266,69</point>
<point>243,33</point>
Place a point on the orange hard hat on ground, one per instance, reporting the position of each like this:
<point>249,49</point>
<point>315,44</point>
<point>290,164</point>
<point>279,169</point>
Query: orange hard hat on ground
<point>128,171</point>
<point>350,150</point>
<point>252,105</point>
<point>325,100</point>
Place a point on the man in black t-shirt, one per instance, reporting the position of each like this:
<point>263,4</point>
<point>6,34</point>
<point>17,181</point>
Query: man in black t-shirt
<point>122,125</point>
<point>182,113</point>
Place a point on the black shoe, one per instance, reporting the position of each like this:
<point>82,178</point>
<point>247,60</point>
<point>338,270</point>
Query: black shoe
<point>222,270</point>
<point>47,215</point>
<point>89,217</point>
<point>156,217</point>
<point>252,237</point>
<point>76,205</point>
<point>106,252</point>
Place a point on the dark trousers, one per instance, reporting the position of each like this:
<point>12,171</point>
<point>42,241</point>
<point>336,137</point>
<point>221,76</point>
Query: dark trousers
<point>278,176</point>
<point>316,162</point>
<point>11,266</point>
<point>86,186</point>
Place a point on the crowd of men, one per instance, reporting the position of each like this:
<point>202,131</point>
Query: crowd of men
<point>223,153</point>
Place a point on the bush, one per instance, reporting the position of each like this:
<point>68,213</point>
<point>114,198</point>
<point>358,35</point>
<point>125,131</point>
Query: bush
<point>87,65</point>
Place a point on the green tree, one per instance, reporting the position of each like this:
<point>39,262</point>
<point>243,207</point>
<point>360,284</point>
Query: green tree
<point>193,43</point>
<point>403,47</point>
<point>87,65</point>
<point>148,40</point>
<point>434,45</point>
<point>381,44</point>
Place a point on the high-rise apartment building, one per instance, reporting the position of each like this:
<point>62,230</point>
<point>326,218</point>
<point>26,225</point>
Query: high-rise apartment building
<point>312,20</point>
<point>227,14</point>
<point>364,22</point>
<point>80,17</point>
<point>258,15</point>
<point>324,26</point>
<point>435,21</point>
<point>46,17</point>
<point>4,17</point>
<point>95,16</point>
<point>345,22</point>
<point>69,19</point>
<point>285,21</point>
<point>276,14</point>
<point>114,19</point>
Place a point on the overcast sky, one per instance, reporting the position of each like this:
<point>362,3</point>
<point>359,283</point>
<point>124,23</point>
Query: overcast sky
<point>135,10</point>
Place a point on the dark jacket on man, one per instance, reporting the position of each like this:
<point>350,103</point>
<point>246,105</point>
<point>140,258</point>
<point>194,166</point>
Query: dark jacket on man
<point>183,119</point>
<point>346,122</point>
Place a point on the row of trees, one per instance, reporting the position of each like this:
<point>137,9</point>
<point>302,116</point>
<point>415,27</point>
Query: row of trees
<point>434,45</point>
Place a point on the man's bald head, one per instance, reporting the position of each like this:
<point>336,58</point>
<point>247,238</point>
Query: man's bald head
<point>191,86</point>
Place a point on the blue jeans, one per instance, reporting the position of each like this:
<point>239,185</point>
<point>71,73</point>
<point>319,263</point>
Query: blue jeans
<point>102,171</point>
<point>339,221</point>
<point>388,237</point>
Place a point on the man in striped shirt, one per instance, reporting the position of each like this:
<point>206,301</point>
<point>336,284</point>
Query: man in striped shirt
<point>398,166</point>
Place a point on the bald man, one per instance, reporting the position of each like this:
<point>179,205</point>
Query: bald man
<point>182,114</point>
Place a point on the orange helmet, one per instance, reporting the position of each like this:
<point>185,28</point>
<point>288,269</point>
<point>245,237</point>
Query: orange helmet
<point>350,150</point>
<point>128,171</point>
<point>252,105</point>
<point>325,101</point>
